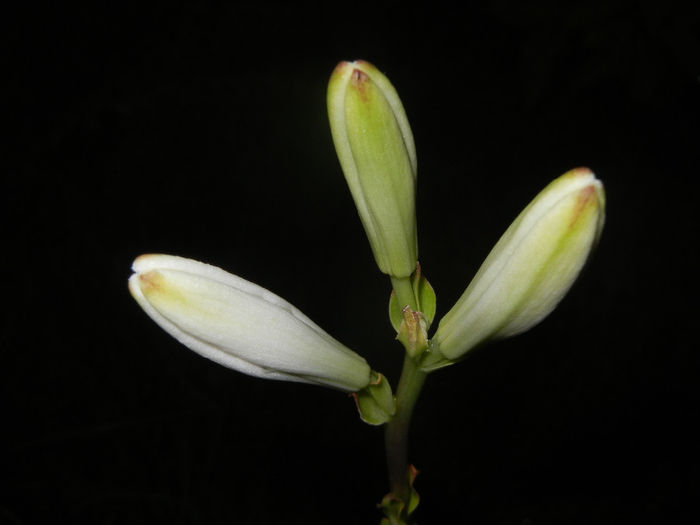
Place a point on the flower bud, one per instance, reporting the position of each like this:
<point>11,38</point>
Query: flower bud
<point>375,147</point>
<point>240,325</point>
<point>531,267</point>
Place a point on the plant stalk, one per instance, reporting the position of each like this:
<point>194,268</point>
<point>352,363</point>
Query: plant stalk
<point>396,436</point>
<point>409,388</point>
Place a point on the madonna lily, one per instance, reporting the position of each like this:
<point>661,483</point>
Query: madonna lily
<point>375,147</point>
<point>531,267</point>
<point>242,326</point>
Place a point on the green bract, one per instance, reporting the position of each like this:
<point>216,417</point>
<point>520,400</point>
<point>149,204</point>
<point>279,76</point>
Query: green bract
<point>375,147</point>
<point>531,267</point>
<point>376,402</point>
<point>240,325</point>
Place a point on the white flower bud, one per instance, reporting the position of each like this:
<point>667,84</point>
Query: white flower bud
<point>241,325</point>
<point>531,267</point>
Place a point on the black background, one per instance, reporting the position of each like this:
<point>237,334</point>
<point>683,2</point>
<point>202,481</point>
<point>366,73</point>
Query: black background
<point>202,131</point>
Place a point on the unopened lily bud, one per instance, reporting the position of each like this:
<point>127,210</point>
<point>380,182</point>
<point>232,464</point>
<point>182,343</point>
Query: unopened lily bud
<point>375,147</point>
<point>531,267</point>
<point>240,325</point>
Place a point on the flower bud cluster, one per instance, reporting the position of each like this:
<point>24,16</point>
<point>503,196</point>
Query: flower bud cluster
<point>247,328</point>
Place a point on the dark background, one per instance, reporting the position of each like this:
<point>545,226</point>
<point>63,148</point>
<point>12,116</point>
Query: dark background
<point>202,131</point>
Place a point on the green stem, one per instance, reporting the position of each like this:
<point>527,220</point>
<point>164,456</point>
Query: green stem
<point>410,384</point>
<point>396,437</point>
<point>404,292</point>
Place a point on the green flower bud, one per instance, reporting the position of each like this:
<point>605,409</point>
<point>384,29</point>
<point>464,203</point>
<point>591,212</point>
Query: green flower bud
<point>375,147</point>
<point>531,267</point>
<point>240,325</point>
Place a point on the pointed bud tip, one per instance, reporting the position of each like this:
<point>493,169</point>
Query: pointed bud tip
<point>581,171</point>
<point>358,77</point>
<point>150,281</point>
<point>361,83</point>
<point>358,69</point>
<point>345,65</point>
<point>341,66</point>
<point>581,175</point>
<point>144,262</point>
<point>352,63</point>
<point>587,196</point>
